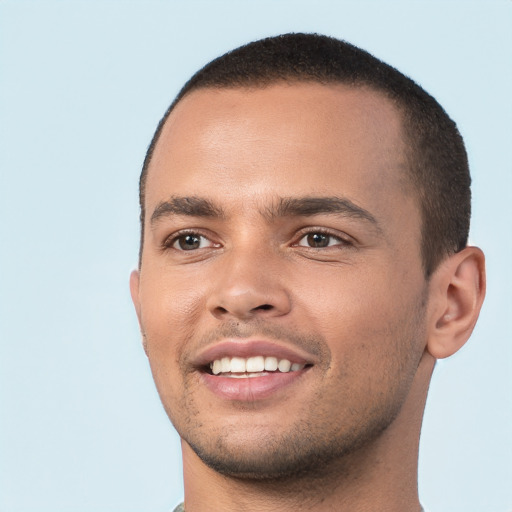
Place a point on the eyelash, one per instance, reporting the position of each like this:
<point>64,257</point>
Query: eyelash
<point>171,241</point>
<point>341,241</point>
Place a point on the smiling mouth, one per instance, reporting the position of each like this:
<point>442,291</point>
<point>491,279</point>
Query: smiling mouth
<point>255,366</point>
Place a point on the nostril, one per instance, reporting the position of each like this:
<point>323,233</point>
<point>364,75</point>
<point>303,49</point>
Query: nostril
<point>263,307</point>
<point>221,311</point>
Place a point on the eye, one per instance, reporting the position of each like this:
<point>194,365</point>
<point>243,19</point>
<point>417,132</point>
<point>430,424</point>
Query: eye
<point>318,240</point>
<point>190,242</point>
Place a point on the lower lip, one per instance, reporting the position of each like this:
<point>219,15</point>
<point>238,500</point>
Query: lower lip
<point>250,389</point>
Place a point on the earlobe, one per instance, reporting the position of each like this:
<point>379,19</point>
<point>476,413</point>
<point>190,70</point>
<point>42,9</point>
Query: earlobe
<point>457,293</point>
<point>134,291</point>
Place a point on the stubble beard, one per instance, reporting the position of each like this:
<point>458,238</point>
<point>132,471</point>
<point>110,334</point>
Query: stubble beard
<point>317,447</point>
<point>301,453</point>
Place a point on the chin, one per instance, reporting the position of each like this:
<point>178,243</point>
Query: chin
<point>261,464</point>
<point>301,452</point>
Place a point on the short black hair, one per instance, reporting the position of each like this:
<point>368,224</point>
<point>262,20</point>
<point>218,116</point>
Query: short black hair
<point>437,159</point>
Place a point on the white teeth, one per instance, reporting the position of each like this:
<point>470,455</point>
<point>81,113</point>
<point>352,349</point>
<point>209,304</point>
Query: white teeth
<point>254,366</point>
<point>244,375</point>
<point>238,365</point>
<point>226,364</point>
<point>217,367</point>
<point>270,364</point>
<point>284,365</point>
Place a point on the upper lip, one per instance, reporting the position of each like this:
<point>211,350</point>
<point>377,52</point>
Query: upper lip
<point>252,347</point>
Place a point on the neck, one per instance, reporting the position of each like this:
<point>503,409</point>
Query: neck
<point>379,476</point>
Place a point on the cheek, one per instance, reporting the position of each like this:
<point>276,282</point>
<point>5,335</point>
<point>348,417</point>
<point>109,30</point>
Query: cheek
<point>169,304</point>
<point>372,315</point>
<point>375,340</point>
<point>169,317</point>
<point>346,294</point>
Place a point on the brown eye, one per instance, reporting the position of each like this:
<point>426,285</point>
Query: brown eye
<point>318,240</point>
<point>189,242</point>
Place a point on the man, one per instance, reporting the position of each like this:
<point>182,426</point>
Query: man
<point>304,262</point>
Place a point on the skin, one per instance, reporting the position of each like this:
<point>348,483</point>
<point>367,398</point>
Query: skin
<point>344,435</point>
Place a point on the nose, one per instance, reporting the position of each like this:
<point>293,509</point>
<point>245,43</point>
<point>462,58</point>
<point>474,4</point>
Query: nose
<point>249,285</point>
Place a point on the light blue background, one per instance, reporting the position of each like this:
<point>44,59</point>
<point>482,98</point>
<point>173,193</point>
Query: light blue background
<point>83,85</point>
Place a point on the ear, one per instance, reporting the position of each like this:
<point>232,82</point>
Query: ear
<point>134,291</point>
<point>457,290</point>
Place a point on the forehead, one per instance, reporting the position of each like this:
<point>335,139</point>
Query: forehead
<point>305,139</point>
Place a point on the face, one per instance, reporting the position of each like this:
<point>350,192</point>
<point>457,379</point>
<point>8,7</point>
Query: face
<point>281,294</point>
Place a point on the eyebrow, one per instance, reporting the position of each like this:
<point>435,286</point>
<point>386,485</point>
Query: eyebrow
<point>309,206</point>
<point>190,206</point>
<point>193,206</point>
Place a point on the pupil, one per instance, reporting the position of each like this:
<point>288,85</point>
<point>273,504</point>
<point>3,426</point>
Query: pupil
<point>189,242</point>
<point>318,240</point>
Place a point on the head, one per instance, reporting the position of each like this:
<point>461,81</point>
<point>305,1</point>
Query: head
<point>435,152</point>
<point>306,205</point>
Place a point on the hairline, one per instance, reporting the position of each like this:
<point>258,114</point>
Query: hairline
<point>401,107</point>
